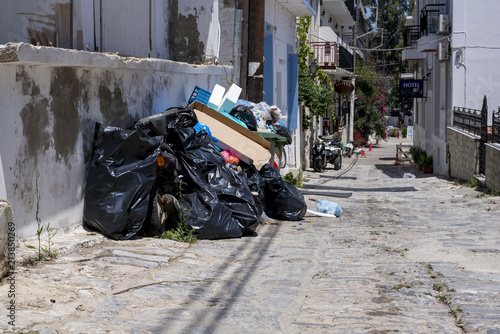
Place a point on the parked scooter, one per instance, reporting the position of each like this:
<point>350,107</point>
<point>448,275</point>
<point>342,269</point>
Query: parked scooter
<point>349,149</point>
<point>326,149</point>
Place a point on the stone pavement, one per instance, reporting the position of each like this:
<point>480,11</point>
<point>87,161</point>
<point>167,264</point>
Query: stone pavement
<point>408,255</point>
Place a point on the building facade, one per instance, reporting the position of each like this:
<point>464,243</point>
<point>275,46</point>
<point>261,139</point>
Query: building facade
<point>452,47</point>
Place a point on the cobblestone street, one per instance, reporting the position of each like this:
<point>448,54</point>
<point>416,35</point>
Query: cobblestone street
<point>408,255</point>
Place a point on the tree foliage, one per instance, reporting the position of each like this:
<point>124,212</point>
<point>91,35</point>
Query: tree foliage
<point>316,92</point>
<point>390,24</point>
<point>371,100</point>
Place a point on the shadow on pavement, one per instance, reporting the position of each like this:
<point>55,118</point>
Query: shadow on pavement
<point>397,172</point>
<point>325,193</point>
<point>257,254</point>
<point>382,189</point>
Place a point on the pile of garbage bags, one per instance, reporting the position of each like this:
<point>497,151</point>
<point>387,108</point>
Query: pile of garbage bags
<point>170,159</point>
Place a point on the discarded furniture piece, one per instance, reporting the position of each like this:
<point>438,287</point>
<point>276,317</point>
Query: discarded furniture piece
<point>403,154</point>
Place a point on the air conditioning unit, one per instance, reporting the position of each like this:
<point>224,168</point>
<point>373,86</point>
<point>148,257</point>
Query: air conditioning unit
<point>442,52</point>
<point>443,24</point>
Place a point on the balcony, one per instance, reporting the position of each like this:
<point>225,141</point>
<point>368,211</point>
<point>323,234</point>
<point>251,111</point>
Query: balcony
<point>300,7</point>
<point>429,27</point>
<point>342,11</point>
<point>411,35</point>
<point>429,19</point>
<point>326,53</point>
<point>346,59</point>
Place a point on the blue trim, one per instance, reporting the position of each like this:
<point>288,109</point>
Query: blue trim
<point>293,88</point>
<point>268,94</point>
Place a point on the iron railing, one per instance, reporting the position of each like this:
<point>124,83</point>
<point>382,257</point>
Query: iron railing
<point>411,34</point>
<point>429,18</point>
<point>350,6</point>
<point>467,119</point>
<point>326,54</point>
<point>495,127</point>
<point>346,59</point>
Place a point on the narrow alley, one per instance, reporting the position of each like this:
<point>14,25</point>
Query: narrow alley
<point>407,255</point>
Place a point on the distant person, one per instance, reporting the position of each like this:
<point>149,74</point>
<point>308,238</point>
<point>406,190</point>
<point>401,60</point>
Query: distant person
<point>401,122</point>
<point>410,122</point>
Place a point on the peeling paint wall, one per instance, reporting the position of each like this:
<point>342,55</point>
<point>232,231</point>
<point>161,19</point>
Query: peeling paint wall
<point>166,29</point>
<point>48,114</point>
<point>186,43</point>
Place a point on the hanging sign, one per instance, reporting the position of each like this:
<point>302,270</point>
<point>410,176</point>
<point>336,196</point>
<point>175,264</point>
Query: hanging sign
<point>344,87</point>
<point>411,88</point>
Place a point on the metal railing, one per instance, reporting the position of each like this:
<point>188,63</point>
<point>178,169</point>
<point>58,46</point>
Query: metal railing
<point>326,54</point>
<point>467,119</point>
<point>346,59</point>
<point>350,6</point>
<point>411,34</point>
<point>495,127</point>
<point>429,18</point>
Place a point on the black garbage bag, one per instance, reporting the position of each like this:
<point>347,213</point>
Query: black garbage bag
<point>210,218</point>
<point>233,191</point>
<point>245,114</point>
<point>283,131</point>
<point>218,203</point>
<point>157,124</point>
<point>282,200</point>
<point>120,181</point>
<point>255,183</point>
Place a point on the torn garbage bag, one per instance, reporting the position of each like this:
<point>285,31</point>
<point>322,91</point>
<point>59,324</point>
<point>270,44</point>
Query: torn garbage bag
<point>120,181</point>
<point>218,202</point>
<point>281,199</point>
<point>245,114</point>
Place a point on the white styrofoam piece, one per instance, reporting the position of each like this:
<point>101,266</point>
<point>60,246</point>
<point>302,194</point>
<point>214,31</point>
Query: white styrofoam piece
<point>229,100</point>
<point>216,98</point>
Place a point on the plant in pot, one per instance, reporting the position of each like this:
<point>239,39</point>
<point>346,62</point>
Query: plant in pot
<point>404,132</point>
<point>418,155</point>
<point>427,165</point>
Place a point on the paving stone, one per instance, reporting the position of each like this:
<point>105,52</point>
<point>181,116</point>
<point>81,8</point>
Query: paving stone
<point>131,261</point>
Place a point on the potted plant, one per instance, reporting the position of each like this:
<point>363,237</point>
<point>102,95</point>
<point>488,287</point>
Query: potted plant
<point>404,132</point>
<point>427,165</point>
<point>418,155</point>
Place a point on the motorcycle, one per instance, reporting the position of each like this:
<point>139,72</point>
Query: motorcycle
<point>326,150</point>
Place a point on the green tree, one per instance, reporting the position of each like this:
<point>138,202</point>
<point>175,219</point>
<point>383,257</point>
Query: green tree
<point>316,92</point>
<point>389,38</point>
<point>371,100</point>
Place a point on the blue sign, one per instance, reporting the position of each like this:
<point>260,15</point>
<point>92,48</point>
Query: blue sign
<point>411,88</point>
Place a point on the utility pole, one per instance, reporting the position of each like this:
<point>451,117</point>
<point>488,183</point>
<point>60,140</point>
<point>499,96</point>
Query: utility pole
<point>245,7</point>
<point>255,82</point>
<point>350,135</point>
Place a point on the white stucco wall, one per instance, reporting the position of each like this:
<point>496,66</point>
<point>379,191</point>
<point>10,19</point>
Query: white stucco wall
<point>475,49</point>
<point>285,34</point>
<point>50,100</point>
<point>277,15</point>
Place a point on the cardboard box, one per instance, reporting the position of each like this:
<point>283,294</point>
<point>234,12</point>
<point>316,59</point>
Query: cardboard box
<point>243,143</point>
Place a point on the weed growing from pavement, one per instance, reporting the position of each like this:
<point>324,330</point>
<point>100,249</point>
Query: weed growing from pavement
<point>444,294</point>
<point>183,232</point>
<point>40,228</point>
<point>472,183</point>
<point>494,192</point>
<point>297,182</point>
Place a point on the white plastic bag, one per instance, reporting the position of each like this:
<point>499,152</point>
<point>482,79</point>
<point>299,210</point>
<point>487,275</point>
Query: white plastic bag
<point>409,176</point>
